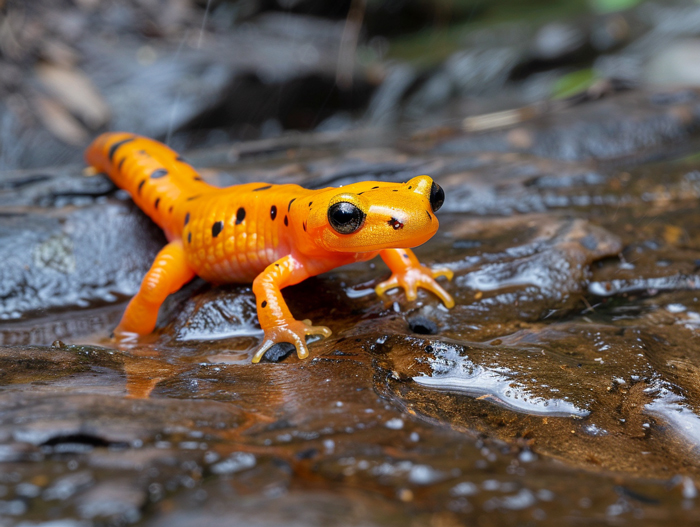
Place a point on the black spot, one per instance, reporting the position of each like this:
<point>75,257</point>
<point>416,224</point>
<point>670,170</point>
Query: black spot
<point>240,215</point>
<point>161,172</point>
<point>290,204</point>
<point>264,303</point>
<point>374,188</point>
<point>196,178</point>
<point>360,193</point>
<point>310,203</point>
<point>143,182</point>
<point>187,218</point>
<point>113,149</point>
<point>217,228</point>
<point>119,166</point>
<point>273,212</point>
<point>262,188</point>
<point>422,325</point>
<point>396,224</point>
<point>286,221</point>
<point>304,225</point>
<point>277,265</point>
<point>192,198</point>
<point>395,190</point>
<point>409,188</point>
<point>157,202</point>
<point>170,209</point>
<point>429,216</point>
<point>189,237</point>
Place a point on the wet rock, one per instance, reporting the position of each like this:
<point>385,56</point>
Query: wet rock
<point>212,315</point>
<point>294,509</point>
<point>66,486</point>
<point>466,385</point>
<point>159,71</point>
<point>73,257</point>
<point>276,50</point>
<point>41,330</point>
<point>52,188</point>
<point>509,183</point>
<point>542,271</point>
<point>592,131</point>
<point>478,68</point>
<point>385,105</point>
<point>668,68</point>
<point>661,33</point>
<point>116,501</point>
<point>563,383</point>
<point>476,71</point>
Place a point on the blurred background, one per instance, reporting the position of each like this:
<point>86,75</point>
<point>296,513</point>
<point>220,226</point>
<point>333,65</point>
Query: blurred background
<point>200,73</point>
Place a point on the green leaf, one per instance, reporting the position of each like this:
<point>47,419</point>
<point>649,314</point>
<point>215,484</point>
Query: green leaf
<point>611,6</point>
<point>574,83</point>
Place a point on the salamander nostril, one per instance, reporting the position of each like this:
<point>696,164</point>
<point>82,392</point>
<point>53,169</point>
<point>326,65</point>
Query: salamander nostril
<point>396,224</point>
<point>437,197</point>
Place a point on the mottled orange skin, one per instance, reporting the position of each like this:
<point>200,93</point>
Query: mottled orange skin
<point>271,235</point>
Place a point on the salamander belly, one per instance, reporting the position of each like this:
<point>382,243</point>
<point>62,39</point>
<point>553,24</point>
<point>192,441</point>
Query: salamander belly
<point>232,240</point>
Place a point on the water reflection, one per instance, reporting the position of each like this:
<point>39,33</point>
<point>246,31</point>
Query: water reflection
<point>454,372</point>
<point>671,407</point>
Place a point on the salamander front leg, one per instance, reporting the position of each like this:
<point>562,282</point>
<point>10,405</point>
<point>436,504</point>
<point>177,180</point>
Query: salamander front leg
<point>275,318</point>
<point>409,273</point>
<point>168,274</point>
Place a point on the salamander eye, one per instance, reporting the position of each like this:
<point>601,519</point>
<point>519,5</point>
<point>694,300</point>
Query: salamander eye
<point>437,197</point>
<point>345,217</point>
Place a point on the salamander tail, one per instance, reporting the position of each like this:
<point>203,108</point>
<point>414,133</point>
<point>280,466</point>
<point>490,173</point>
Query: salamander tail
<point>157,178</point>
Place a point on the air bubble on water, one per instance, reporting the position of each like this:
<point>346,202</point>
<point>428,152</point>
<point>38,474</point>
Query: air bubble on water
<point>395,423</point>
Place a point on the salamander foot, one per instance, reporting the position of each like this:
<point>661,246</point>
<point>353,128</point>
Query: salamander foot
<point>294,332</point>
<point>412,278</point>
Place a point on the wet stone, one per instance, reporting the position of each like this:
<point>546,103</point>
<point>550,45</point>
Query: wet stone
<point>72,256</point>
<point>563,384</point>
<point>595,130</point>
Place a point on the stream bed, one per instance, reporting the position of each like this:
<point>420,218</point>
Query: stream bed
<point>562,387</point>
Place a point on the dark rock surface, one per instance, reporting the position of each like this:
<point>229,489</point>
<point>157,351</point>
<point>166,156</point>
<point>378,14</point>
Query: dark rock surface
<point>597,134</point>
<point>561,388</point>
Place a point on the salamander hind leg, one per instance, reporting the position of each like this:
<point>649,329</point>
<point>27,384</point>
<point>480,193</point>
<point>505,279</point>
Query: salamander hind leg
<point>275,318</point>
<point>407,272</point>
<point>167,275</point>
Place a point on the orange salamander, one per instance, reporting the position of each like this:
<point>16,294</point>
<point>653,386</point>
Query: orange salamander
<point>272,235</point>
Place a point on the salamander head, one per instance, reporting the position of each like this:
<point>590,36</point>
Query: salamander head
<point>372,216</point>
